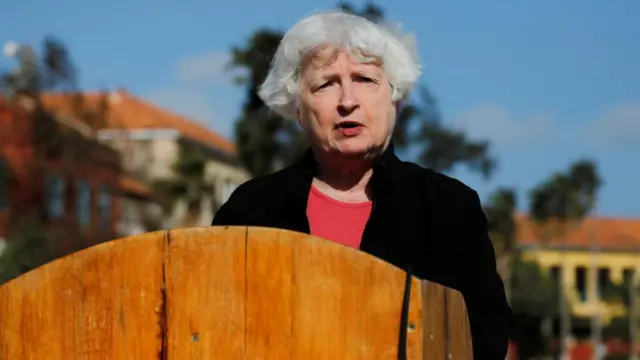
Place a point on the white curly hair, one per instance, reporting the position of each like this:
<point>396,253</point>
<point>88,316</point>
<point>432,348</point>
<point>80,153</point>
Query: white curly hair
<point>396,51</point>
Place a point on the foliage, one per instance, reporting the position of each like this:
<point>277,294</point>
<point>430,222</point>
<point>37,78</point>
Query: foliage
<point>534,291</point>
<point>566,196</point>
<point>500,211</point>
<point>36,73</point>
<point>52,69</point>
<point>533,299</point>
<point>420,129</point>
<point>562,200</point>
<point>618,328</point>
<point>27,249</point>
<point>618,293</point>
<point>267,142</point>
<point>32,241</point>
<point>525,332</point>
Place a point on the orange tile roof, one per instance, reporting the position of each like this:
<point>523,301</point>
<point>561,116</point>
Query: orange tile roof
<point>128,112</point>
<point>609,233</point>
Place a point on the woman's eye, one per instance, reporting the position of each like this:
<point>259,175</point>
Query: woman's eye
<point>365,79</point>
<point>323,86</point>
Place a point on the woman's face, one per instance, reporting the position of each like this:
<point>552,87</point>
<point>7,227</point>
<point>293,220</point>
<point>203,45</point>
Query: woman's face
<point>345,106</point>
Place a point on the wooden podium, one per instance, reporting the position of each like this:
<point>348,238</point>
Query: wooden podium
<point>226,293</point>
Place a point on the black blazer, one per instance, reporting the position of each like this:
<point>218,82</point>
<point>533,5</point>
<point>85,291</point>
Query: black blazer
<point>443,235</point>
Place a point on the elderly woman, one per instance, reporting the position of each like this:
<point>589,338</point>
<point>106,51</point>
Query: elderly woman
<point>343,78</point>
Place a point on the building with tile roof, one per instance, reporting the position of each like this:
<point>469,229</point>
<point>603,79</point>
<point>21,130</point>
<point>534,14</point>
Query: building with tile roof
<point>149,138</point>
<point>589,257</point>
<point>74,184</point>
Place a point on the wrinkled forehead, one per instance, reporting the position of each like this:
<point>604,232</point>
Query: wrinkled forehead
<point>323,56</point>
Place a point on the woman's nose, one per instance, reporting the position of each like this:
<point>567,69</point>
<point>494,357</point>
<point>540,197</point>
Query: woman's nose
<point>348,101</point>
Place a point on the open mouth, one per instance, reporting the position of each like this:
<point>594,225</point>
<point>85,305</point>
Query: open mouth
<point>348,125</point>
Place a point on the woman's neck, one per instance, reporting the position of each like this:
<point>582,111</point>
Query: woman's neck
<point>345,180</point>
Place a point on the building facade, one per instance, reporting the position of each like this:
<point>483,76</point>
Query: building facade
<point>55,175</point>
<point>597,264</point>
<point>149,140</point>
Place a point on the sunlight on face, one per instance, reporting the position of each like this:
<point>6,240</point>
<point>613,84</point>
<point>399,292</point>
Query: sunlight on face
<point>345,105</point>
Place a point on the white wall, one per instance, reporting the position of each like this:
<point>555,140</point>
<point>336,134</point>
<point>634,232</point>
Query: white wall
<point>151,154</point>
<point>226,178</point>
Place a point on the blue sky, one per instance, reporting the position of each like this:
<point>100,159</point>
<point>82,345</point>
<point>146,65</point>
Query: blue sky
<point>548,81</point>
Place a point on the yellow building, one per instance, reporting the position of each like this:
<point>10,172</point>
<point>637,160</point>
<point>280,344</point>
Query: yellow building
<point>589,255</point>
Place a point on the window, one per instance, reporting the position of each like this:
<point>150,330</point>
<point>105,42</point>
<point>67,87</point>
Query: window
<point>84,202</point>
<point>55,195</point>
<point>104,202</point>
<point>581,282</point>
<point>604,279</point>
<point>3,184</point>
<point>627,277</point>
<point>555,275</point>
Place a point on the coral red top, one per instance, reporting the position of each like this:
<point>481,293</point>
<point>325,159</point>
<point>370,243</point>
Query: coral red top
<point>336,220</point>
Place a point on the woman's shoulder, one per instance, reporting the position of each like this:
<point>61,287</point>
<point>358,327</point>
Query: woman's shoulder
<point>262,184</point>
<point>250,201</point>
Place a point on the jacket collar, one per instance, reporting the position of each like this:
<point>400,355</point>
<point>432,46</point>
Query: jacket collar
<point>302,173</point>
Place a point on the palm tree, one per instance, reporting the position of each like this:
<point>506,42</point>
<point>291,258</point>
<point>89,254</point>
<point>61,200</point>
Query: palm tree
<point>558,203</point>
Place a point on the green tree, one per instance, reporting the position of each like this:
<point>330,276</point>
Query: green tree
<point>27,250</point>
<point>420,129</point>
<point>566,197</point>
<point>624,293</point>
<point>501,211</point>
<point>37,72</point>
<point>267,142</point>
<point>530,291</point>
<point>559,203</point>
<point>533,299</point>
<point>51,69</point>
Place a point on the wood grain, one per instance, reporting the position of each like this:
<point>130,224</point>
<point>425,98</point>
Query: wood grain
<point>343,303</point>
<point>446,335</point>
<point>205,296</point>
<point>225,293</point>
<point>459,335</point>
<point>433,320</point>
<point>100,303</point>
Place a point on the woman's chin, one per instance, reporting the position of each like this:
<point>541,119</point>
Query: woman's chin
<point>354,150</point>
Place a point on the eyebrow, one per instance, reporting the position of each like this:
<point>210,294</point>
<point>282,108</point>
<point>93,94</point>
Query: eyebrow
<point>334,76</point>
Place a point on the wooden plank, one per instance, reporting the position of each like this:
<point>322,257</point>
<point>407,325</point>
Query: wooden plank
<point>89,305</point>
<point>270,296</point>
<point>433,320</point>
<point>206,291</point>
<point>224,293</point>
<point>346,304</point>
<point>459,332</point>
<point>415,340</point>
